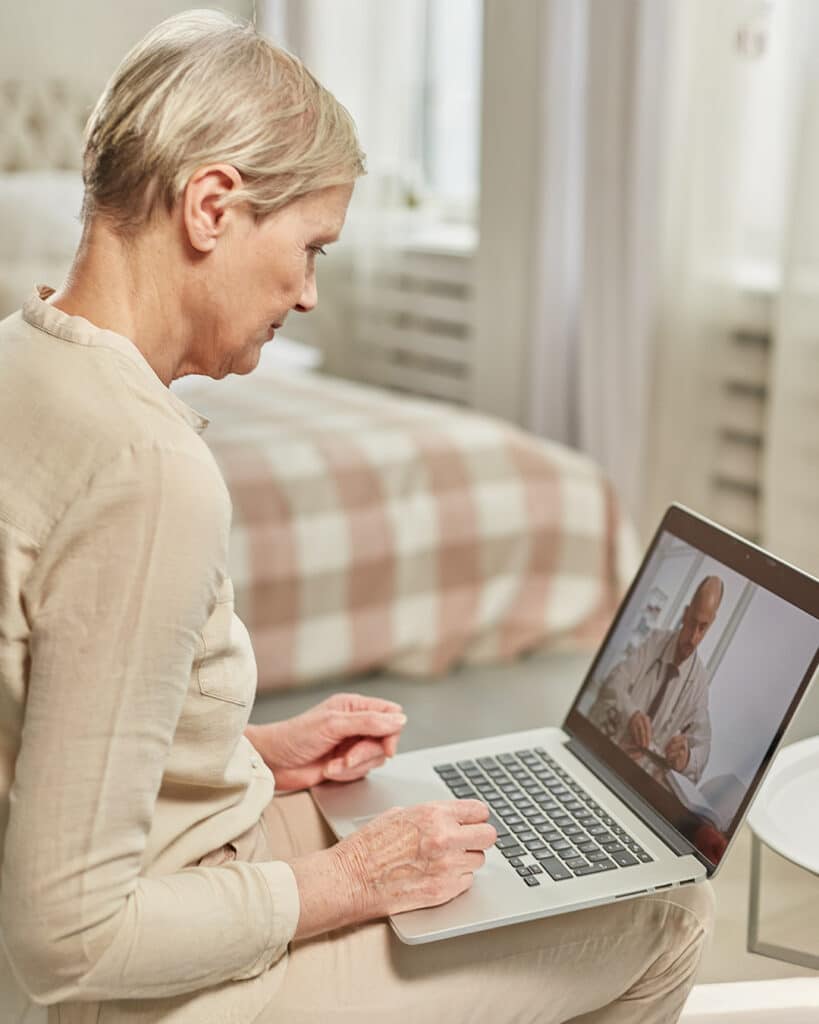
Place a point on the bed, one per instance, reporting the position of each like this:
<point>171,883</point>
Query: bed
<point>371,531</point>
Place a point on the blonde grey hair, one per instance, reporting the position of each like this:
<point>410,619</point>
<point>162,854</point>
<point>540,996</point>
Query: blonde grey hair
<point>201,88</point>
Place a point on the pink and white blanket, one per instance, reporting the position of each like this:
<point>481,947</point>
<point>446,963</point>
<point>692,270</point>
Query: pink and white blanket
<point>372,531</point>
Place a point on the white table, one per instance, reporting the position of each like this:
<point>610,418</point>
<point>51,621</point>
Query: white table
<point>785,818</point>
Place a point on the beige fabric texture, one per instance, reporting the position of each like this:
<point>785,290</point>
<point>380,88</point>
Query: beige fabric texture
<point>126,682</point>
<point>377,531</point>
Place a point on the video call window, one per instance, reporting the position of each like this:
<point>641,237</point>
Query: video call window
<point>696,678</point>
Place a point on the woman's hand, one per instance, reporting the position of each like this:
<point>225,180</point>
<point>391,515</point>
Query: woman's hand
<point>404,859</point>
<point>340,739</point>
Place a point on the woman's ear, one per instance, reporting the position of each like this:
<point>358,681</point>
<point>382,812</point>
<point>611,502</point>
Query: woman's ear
<point>203,215</point>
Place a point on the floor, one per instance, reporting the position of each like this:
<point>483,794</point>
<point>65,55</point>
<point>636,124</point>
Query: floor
<point>473,702</point>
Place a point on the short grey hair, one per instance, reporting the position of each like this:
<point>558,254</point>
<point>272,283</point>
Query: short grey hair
<point>204,87</point>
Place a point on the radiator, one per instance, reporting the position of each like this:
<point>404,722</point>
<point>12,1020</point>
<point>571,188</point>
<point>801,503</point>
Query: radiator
<point>414,322</point>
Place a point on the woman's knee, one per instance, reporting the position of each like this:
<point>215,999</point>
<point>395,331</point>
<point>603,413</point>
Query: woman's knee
<point>690,914</point>
<point>699,901</point>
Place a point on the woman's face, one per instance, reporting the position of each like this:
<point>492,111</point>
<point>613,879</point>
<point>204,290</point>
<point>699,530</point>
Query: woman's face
<point>257,273</point>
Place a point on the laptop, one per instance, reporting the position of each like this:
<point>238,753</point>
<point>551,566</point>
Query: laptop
<point>646,783</point>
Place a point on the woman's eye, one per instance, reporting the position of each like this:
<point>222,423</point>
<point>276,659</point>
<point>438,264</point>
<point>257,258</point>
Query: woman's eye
<point>318,249</point>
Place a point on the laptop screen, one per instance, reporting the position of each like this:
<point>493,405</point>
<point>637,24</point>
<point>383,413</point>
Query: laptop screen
<point>700,673</point>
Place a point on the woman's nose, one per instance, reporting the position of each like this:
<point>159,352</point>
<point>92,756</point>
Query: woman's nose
<point>309,295</point>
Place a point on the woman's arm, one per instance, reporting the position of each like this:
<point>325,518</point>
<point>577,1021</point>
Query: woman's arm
<point>116,601</point>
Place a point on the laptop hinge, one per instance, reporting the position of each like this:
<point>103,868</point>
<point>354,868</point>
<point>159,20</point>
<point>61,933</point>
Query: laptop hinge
<point>644,811</point>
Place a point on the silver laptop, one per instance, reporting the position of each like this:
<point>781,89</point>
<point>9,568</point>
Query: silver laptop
<point>646,783</point>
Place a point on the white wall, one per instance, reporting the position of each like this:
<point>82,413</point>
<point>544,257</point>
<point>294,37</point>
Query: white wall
<point>756,681</point>
<point>81,40</point>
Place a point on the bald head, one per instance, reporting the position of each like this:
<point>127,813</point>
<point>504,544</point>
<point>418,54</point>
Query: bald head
<point>709,590</point>
<point>698,616</point>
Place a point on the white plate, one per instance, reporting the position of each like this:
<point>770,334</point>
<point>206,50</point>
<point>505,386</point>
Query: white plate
<point>785,814</point>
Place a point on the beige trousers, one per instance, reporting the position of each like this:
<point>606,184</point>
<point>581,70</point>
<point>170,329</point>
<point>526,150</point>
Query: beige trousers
<point>627,963</point>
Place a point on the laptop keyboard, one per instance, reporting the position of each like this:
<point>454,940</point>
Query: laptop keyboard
<point>547,824</point>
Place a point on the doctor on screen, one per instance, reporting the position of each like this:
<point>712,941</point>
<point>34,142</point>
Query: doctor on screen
<point>654,703</point>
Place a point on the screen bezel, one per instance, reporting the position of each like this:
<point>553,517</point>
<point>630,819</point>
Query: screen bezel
<point>758,566</point>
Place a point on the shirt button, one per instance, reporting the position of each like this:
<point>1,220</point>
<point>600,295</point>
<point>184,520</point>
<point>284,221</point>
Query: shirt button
<point>254,763</point>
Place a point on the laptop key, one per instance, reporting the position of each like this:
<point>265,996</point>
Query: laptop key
<point>613,847</point>
<point>576,862</point>
<point>505,842</point>
<point>524,870</point>
<point>533,845</point>
<point>464,792</point>
<point>555,869</point>
<point>512,851</point>
<point>516,862</point>
<point>596,855</point>
<point>593,869</point>
<point>587,847</point>
<point>498,826</point>
<point>644,857</point>
<point>624,859</point>
<point>531,881</point>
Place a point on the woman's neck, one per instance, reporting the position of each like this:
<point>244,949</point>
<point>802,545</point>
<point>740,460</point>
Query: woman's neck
<point>127,287</point>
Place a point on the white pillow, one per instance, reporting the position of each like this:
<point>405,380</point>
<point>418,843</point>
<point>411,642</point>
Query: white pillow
<point>39,214</point>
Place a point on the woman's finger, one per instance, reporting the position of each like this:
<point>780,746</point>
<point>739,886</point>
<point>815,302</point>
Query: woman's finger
<point>358,702</point>
<point>343,724</point>
<point>337,771</point>
<point>390,744</point>
<point>363,750</point>
<point>476,837</point>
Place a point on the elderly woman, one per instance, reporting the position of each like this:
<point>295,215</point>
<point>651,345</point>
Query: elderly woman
<point>148,874</point>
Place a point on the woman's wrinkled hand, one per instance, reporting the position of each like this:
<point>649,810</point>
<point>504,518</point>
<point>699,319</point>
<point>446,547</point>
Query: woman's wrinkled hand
<point>341,739</point>
<point>404,859</point>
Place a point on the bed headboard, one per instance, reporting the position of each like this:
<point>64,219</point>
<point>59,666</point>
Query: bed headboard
<point>42,124</point>
<point>41,129</point>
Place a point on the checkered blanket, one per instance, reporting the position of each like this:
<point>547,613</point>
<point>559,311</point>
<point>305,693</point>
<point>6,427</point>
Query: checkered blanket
<point>372,531</point>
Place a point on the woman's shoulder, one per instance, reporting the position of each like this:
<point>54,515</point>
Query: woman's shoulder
<point>70,415</point>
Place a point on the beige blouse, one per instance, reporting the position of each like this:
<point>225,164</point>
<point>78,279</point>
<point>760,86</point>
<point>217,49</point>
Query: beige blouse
<point>126,682</point>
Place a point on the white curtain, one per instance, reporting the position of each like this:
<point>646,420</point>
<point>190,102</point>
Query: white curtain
<point>596,229</point>
<point>791,492</point>
<point>740,143</point>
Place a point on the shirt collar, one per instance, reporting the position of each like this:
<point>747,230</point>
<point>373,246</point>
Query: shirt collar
<point>39,313</point>
<point>667,654</point>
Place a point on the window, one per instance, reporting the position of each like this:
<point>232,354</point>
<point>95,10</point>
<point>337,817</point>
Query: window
<point>451,103</point>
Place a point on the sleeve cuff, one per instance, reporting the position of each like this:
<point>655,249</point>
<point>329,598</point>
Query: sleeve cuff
<point>281,913</point>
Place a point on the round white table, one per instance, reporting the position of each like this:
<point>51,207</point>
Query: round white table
<point>785,818</point>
